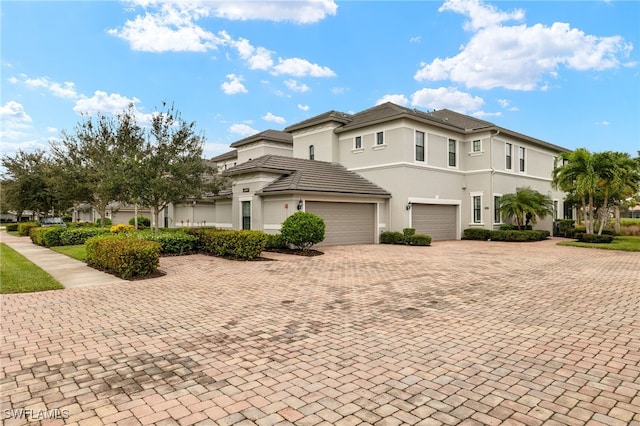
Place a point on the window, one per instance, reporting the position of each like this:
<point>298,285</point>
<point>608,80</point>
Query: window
<point>312,153</point>
<point>452,153</point>
<point>246,215</point>
<point>477,209</point>
<point>521,159</point>
<point>379,138</point>
<point>419,146</point>
<point>507,148</point>
<point>358,142</point>
<point>555,209</point>
<point>497,217</point>
<point>476,146</point>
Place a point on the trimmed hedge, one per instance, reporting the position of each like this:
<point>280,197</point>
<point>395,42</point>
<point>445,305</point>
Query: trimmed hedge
<point>173,243</point>
<point>275,242</point>
<point>126,257</point>
<point>106,222</point>
<point>392,237</point>
<point>420,240</point>
<point>11,227</point>
<point>235,244</point>
<point>24,227</point>
<point>594,238</point>
<point>75,236</point>
<point>303,230</point>
<point>121,228</point>
<point>514,235</point>
<point>142,221</point>
<point>47,236</point>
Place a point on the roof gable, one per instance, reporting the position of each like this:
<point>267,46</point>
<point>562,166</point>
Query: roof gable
<point>267,135</point>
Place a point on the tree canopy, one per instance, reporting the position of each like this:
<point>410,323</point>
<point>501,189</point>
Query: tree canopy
<point>525,205</point>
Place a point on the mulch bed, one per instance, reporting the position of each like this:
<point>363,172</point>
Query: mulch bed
<point>296,252</point>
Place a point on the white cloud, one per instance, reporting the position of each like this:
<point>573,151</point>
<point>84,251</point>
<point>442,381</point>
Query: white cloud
<point>14,120</point>
<point>396,99</point>
<point>603,123</point>
<point>257,58</point>
<point>519,57</point>
<point>300,11</point>
<point>338,90</point>
<point>234,85</point>
<point>298,67</point>
<point>104,103</point>
<point>273,118</point>
<point>12,80</point>
<point>294,86</point>
<point>303,107</point>
<point>52,129</point>
<point>242,129</point>
<point>446,97</point>
<point>484,114</point>
<point>506,104</point>
<point>66,90</point>
<point>415,39</point>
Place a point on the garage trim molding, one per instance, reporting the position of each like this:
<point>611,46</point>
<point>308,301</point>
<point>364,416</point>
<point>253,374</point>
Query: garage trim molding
<point>441,201</point>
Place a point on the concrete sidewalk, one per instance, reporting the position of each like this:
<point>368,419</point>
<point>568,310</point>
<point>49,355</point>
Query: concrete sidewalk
<point>69,272</point>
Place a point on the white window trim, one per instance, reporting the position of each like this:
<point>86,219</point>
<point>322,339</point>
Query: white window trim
<point>471,196</point>
<point>424,146</point>
<point>494,210</point>
<point>522,156</point>
<point>240,201</point>
<point>505,156</point>
<point>375,140</point>
<point>355,147</point>
<point>457,148</point>
<point>472,152</point>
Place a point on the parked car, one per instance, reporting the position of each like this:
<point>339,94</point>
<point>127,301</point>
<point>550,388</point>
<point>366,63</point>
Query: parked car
<point>52,221</point>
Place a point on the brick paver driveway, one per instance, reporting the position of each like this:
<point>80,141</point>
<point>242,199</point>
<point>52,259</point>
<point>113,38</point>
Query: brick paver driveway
<point>457,333</point>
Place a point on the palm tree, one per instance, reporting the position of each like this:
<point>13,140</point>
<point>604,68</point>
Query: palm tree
<point>525,205</point>
<point>577,174</point>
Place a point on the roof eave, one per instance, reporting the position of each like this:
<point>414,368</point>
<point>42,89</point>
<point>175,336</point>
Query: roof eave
<point>315,192</point>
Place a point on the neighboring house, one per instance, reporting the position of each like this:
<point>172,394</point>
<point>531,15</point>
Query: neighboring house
<point>383,169</point>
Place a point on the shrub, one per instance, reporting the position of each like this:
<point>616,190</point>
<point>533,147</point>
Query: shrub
<point>236,244</point>
<point>476,234</point>
<point>106,222</point>
<point>303,230</point>
<point>420,240</point>
<point>142,221</point>
<point>391,237</point>
<point>176,243</point>
<point>75,236</point>
<point>24,227</point>
<point>12,227</point>
<point>519,236</point>
<point>408,233</point>
<point>275,242</point>
<point>66,218</point>
<point>121,228</point>
<point>198,233</point>
<point>627,230</point>
<point>37,235</point>
<point>125,257</point>
<point>564,228</point>
<point>47,236</point>
<point>594,238</point>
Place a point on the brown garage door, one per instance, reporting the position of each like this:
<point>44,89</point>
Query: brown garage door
<point>436,220</point>
<point>345,223</point>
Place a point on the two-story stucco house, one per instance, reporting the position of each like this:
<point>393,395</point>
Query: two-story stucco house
<point>383,169</point>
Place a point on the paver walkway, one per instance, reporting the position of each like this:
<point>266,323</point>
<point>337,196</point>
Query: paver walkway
<point>462,332</point>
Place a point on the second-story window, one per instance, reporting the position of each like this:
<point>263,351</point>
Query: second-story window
<point>521,159</point>
<point>453,156</point>
<point>507,149</point>
<point>379,138</point>
<point>358,142</point>
<point>312,154</point>
<point>476,146</point>
<point>419,146</point>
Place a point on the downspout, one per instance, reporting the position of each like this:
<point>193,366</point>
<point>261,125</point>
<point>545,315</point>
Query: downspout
<point>492,173</point>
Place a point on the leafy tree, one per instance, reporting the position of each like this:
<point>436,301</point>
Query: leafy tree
<point>524,206</point>
<point>170,164</point>
<point>303,230</point>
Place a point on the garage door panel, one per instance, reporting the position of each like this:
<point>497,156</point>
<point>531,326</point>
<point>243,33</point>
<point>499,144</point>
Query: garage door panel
<point>345,223</point>
<point>438,221</point>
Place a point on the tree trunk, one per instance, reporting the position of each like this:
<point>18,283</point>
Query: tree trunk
<point>617,213</point>
<point>156,219</point>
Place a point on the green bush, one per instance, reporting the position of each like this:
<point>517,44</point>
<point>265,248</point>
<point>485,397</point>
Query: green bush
<point>420,240</point>
<point>126,257</point>
<point>75,236</point>
<point>594,238</point>
<point>235,244</point>
<point>391,237</point>
<point>47,236</point>
<point>408,233</point>
<point>37,235</point>
<point>175,243</point>
<point>275,242</point>
<point>11,227</point>
<point>303,230</point>
<point>142,221</point>
<point>519,236</point>
<point>476,234</point>
<point>66,218</point>
<point>507,227</point>
<point>24,227</point>
<point>199,233</point>
<point>106,222</point>
<point>564,228</point>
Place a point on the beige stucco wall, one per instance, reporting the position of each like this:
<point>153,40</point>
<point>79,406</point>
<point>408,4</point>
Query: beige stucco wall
<point>260,148</point>
<point>322,137</point>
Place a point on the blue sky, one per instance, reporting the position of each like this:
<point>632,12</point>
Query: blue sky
<point>564,72</point>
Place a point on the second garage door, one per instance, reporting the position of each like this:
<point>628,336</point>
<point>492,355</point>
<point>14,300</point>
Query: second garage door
<point>345,223</point>
<point>436,220</point>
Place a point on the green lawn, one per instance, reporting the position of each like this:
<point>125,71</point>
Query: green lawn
<point>20,275</point>
<point>618,243</point>
<point>78,252</point>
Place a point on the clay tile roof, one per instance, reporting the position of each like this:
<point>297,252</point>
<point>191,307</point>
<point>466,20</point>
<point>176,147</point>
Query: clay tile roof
<point>268,135</point>
<point>336,116</point>
<point>226,156</point>
<point>301,175</point>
